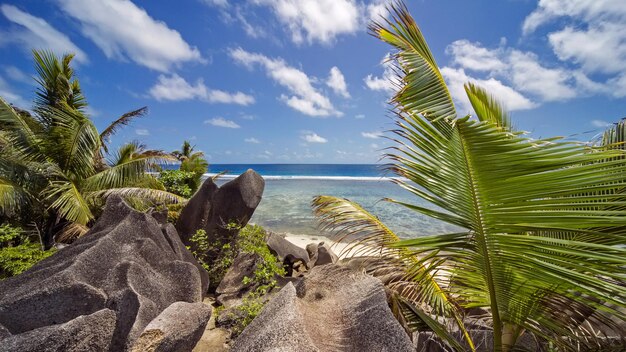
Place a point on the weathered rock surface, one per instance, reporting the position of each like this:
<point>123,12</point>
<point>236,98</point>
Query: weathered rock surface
<point>331,309</point>
<point>231,288</point>
<point>177,328</point>
<point>288,253</point>
<point>320,254</point>
<point>128,263</point>
<point>212,208</point>
<point>85,333</point>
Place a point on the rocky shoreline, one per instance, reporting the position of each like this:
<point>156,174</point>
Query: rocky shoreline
<point>132,284</point>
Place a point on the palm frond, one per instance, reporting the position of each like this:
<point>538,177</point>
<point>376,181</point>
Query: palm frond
<point>154,195</point>
<point>487,108</point>
<point>68,202</point>
<point>535,210</point>
<point>123,120</point>
<point>72,141</point>
<point>423,88</point>
<point>397,267</point>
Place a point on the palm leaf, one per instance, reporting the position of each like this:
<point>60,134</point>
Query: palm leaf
<point>535,210</point>
<point>370,237</point>
<point>68,202</point>
<point>123,120</point>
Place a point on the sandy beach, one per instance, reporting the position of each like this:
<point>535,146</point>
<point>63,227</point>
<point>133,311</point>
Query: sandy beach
<point>342,249</point>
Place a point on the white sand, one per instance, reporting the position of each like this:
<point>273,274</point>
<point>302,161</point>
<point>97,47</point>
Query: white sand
<point>340,248</point>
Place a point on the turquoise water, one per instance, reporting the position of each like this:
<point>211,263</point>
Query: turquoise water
<point>286,200</point>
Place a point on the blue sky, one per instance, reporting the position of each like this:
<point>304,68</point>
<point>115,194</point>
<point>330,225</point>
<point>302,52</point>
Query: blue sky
<point>301,81</point>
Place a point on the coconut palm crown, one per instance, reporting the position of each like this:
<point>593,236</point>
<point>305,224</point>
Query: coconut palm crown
<point>542,222</point>
<point>51,162</point>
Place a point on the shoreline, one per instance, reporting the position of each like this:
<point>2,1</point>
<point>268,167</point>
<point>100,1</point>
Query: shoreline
<point>342,249</point>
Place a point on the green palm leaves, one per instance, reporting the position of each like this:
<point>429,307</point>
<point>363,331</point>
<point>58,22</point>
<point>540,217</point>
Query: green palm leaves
<point>51,163</point>
<point>544,246</point>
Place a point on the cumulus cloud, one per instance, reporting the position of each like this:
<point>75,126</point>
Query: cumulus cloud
<point>475,57</point>
<point>386,82</point>
<point>123,31</point>
<point>337,82</point>
<point>222,122</point>
<point>523,72</point>
<point>456,78</point>
<point>315,20</point>
<point>176,88</point>
<point>304,97</point>
<point>252,140</point>
<point>372,135</point>
<point>312,137</point>
<point>591,34</point>
<point>35,32</point>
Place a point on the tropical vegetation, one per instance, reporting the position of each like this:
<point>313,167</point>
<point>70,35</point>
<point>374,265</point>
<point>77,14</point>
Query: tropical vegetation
<point>54,171</point>
<point>542,222</point>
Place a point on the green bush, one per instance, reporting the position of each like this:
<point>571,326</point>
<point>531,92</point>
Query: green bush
<point>18,252</point>
<point>178,182</point>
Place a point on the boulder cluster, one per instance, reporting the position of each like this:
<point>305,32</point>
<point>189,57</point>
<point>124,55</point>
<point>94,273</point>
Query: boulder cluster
<point>132,284</point>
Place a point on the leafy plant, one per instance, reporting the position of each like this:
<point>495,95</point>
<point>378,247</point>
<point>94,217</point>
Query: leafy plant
<point>193,162</point>
<point>52,170</point>
<point>178,182</point>
<point>543,246</point>
<point>17,252</point>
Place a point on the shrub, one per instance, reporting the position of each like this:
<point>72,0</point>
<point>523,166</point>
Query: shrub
<point>178,182</point>
<point>18,252</point>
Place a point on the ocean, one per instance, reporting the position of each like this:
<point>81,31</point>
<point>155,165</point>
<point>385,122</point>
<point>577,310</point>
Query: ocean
<point>289,189</point>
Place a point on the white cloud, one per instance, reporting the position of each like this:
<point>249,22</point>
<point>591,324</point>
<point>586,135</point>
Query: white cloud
<point>600,48</point>
<point>475,57</point>
<point>524,71</point>
<point>372,135</point>
<point>142,132</point>
<point>252,140</point>
<point>316,20</point>
<point>376,10</point>
<point>359,116</point>
<point>39,34</point>
<point>600,123</point>
<point>176,88</point>
<point>588,10</point>
<point>18,75</point>
<point>306,98</point>
<point>387,82</point>
<point>222,122</point>
<point>529,76</point>
<point>124,31</point>
<point>508,96</point>
<point>337,82</point>
<point>311,137</point>
<point>592,34</point>
<point>11,97</point>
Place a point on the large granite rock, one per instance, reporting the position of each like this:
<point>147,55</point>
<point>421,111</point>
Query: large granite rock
<point>85,333</point>
<point>212,208</point>
<point>177,328</point>
<point>288,253</point>
<point>320,254</point>
<point>129,263</point>
<point>332,309</point>
<point>232,287</point>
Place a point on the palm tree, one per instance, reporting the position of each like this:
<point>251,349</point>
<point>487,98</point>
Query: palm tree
<point>50,162</point>
<point>543,245</point>
<point>192,162</point>
<point>185,152</point>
